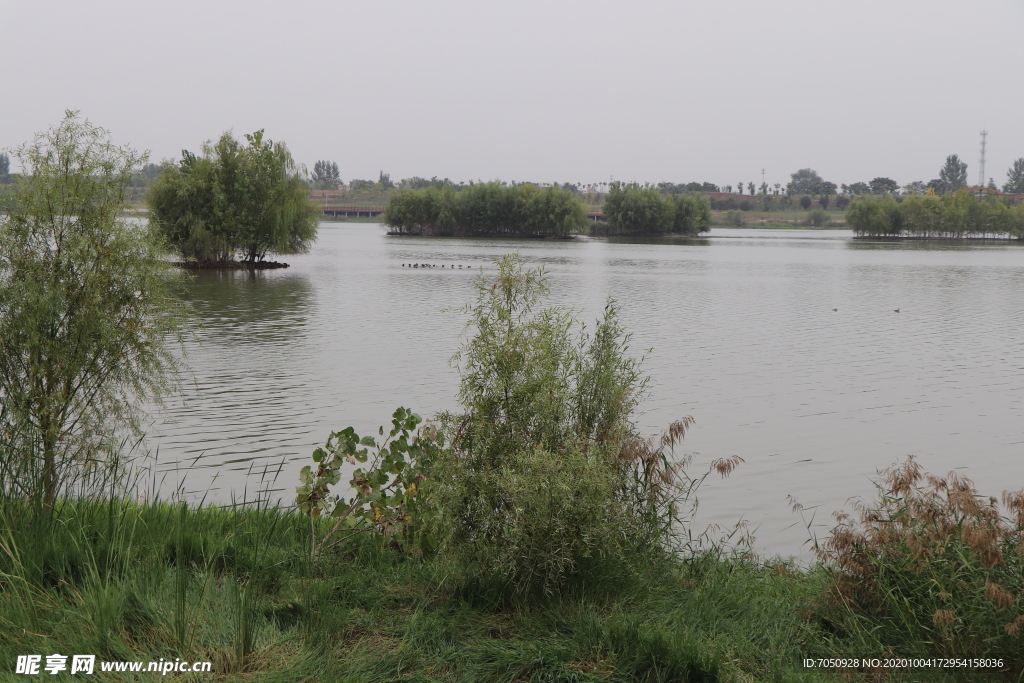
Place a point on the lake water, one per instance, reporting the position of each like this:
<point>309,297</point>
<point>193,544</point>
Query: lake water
<point>742,333</point>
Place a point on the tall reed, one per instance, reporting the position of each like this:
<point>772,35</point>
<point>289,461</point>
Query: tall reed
<point>930,568</point>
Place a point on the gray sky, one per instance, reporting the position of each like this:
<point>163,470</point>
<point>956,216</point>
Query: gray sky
<point>647,90</point>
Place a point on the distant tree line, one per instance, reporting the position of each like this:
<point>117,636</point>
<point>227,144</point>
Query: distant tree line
<point>676,189</point>
<point>418,183</point>
<point>784,202</point>
<point>806,182</point>
<point>145,175</point>
<point>633,209</point>
<point>487,209</point>
<point>326,175</point>
<point>955,215</point>
<point>7,180</point>
<point>952,177</point>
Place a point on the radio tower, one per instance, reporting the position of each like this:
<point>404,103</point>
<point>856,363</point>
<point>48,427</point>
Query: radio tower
<point>981,178</point>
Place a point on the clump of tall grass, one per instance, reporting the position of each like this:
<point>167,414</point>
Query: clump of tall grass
<point>99,573</point>
<point>931,568</point>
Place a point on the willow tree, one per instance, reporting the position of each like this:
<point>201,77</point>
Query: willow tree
<point>85,311</point>
<point>632,209</point>
<point>959,214</point>
<point>235,201</point>
<point>692,214</point>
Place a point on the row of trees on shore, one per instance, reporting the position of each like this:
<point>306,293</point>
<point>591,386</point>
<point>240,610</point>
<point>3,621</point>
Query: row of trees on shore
<point>952,177</point>
<point>960,214</point>
<point>806,181</point>
<point>487,209</point>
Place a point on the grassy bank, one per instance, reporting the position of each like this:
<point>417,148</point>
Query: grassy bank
<point>236,587</point>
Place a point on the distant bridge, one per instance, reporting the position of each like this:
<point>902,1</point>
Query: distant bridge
<point>353,211</point>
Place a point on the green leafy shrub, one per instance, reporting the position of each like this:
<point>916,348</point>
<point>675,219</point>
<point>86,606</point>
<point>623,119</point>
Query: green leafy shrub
<point>818,218</point>
<point>546,473</point>
<point>956,214</point>
<point>930,564</point>
<point>390,495</point>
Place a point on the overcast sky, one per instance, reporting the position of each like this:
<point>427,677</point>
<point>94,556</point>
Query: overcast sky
<point>647,90</point>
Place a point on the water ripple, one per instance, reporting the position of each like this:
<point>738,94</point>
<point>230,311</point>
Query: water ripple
<point>742,334</point>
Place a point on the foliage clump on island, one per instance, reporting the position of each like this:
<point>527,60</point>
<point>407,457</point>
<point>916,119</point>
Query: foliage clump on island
<point>234,202</point>
<point>631,209</point>
<point>955,215</point>
<point>492,209</point>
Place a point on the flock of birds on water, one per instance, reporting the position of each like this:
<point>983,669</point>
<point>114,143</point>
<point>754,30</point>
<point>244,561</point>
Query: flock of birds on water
<point>432,265</point>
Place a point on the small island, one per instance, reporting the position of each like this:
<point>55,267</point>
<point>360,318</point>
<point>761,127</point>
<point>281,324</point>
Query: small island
<point>497,209</point>
<point>493,209</point>
<point>233,205</point>
<point>963,214</point>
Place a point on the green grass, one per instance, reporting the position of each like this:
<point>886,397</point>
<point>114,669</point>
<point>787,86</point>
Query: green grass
<point>236,587</point>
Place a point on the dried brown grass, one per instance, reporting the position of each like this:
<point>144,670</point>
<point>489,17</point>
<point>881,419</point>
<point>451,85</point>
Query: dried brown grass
<point>930,564</point>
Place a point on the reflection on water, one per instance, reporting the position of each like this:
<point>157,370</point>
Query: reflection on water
<point>239,402</point>
<point>240,306</point>
<point>875,243</point>
<point>743,336</point>
<point>659,239</point>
